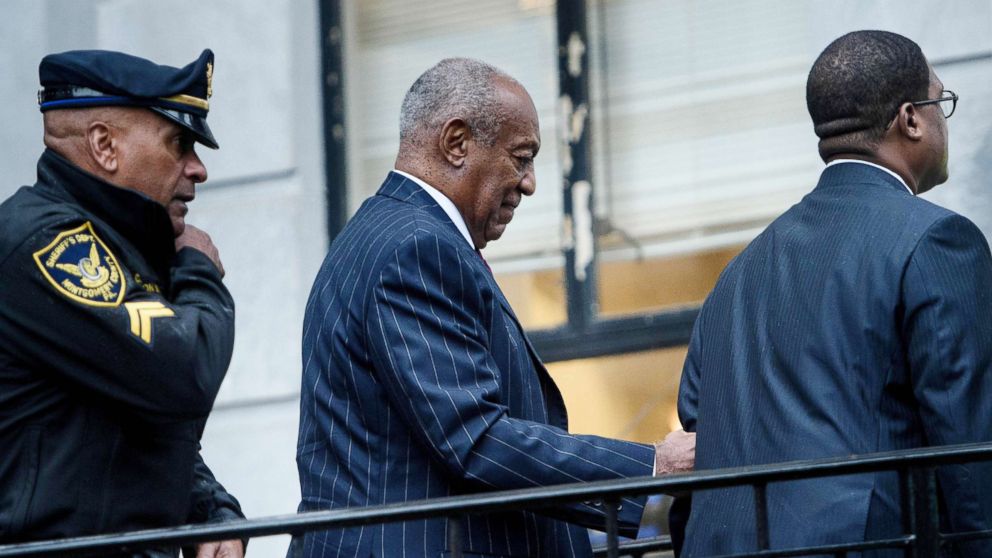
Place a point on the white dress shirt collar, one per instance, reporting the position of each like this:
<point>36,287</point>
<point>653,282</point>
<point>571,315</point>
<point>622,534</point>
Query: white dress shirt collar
<point>899,178</point>
<point>446,204</point>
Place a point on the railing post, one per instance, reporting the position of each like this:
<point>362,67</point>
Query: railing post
<point>908,506</point>
<point>926,520</point>
<point>455,538</point>
<point>761,515</point>
<point>612,528</point>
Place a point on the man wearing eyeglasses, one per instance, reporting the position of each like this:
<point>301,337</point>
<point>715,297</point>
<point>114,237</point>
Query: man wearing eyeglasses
<point>859,321</point>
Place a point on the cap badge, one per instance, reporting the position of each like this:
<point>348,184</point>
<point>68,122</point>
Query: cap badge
<point>210,79</point>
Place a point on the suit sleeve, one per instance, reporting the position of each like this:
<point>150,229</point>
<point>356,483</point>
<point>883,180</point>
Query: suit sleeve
<point>688,407</point>
<point>948,335</point>
<point>168,362</point>
<point>688,402</point>
<point>429,341</point>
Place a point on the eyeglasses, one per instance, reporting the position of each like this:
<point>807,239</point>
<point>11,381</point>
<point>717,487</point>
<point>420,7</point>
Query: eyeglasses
<point>945,97</point>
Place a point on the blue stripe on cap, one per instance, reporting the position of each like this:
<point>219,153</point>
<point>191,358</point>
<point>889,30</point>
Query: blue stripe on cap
<point>88,101</point>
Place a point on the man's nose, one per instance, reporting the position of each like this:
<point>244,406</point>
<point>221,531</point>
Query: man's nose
<point>195,169</point>
<point>529,183</point>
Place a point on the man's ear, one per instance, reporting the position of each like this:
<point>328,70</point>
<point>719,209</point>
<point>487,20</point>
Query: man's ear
<point>102,146</point>
<point>455,136</point>
<point>908,122</point>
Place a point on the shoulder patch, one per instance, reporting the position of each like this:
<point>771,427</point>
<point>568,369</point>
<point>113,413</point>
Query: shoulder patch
<point>80,267</point>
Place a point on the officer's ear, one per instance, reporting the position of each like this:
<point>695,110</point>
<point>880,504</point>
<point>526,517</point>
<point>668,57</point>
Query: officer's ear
<point>102,145</point>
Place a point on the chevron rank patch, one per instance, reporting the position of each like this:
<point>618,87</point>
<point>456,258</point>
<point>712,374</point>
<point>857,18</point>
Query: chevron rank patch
<point>80,267</point>
<point>142,313</point>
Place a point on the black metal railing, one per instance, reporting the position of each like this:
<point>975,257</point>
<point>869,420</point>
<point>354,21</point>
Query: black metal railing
<point>916,468</point>
<point>638,548</point>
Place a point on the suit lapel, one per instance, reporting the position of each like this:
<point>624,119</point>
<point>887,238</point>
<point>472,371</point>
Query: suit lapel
<point>509,311</point>
<point>557,414</point>
<point>405,190</point>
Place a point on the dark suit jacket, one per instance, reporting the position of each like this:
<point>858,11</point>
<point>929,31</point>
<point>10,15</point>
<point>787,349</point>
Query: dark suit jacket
<point>859,321</point>
<point>418,382</point>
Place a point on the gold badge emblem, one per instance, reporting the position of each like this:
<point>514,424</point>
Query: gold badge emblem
<point>80,267</point>
<point>210,79</point>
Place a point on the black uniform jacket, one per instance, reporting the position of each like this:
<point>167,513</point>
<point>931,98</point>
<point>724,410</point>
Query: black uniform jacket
<point>112,350</point>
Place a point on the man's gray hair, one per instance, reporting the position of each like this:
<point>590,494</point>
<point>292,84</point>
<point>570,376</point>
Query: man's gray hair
<point>453,88</point>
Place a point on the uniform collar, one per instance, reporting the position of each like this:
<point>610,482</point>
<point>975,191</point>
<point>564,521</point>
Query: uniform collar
<point>136,217</point>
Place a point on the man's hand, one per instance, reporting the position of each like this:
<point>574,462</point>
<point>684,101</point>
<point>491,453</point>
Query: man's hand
<point>225,549</point>
<point>676,453</point>
<point>199,240</point>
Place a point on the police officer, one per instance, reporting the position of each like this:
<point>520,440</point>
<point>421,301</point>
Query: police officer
<point>115,328</point>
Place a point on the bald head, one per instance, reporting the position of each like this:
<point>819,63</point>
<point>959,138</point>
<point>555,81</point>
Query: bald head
<point>67,131</point>
<point>132,148</point>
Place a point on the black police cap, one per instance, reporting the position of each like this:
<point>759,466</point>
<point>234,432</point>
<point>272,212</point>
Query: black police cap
<point>90,78</point>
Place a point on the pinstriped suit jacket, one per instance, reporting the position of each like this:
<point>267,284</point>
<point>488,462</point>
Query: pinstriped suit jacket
<point>418,382</point>
<point>859,321</point>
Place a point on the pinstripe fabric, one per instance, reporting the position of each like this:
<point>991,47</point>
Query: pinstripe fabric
<point>859,321</point>
<point>418,382</point>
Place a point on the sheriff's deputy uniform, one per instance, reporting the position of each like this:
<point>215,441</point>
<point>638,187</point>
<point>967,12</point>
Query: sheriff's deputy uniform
<point>112,345</point>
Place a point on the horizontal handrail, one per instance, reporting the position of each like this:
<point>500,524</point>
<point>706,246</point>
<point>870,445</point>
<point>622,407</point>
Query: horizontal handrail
<point>900,542</point>
<point>637,548</point>
<point>529,498</point>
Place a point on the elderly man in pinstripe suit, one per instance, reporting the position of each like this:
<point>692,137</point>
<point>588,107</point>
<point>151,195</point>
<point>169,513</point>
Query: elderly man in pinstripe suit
<point>418,380</point>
